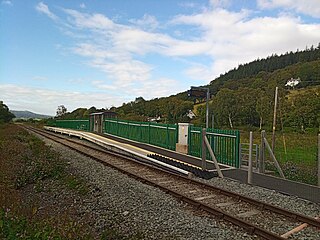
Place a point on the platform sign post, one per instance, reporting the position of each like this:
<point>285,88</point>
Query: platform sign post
<point>201,92</point>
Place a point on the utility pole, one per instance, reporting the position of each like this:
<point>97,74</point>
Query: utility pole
<point>212,121</point>
<point>207,108</point>
<point>274,119</point>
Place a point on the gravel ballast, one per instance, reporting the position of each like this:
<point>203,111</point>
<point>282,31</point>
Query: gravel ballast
<point>117,201</point>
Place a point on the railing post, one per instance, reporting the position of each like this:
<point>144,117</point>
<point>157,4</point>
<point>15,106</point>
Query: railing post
<point>250,160</point>
<point>238,149</point>
<point>203,147</point>
<point>167,136</point>
<point>149,132</point>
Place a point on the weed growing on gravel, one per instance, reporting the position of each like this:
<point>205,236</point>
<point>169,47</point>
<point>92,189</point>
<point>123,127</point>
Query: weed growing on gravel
<point>75,183</point>
<point>111,234</point>
<point>17,227</point>
<point>38,162</point>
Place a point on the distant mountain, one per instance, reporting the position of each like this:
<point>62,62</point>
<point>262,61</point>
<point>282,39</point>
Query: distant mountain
<point>28,114</point>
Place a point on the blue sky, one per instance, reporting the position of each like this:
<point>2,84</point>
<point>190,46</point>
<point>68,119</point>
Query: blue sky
<point>105,53</point>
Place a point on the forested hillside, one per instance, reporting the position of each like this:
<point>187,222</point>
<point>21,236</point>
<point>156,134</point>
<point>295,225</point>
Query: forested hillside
<point>243,96</point>
<point>270,64</point>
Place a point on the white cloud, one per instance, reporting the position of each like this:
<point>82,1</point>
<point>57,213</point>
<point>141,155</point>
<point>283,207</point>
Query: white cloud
<point>220,3</point>
<point>309,7</point>
<point>200,73</point>
<point>28,98</point>
<point>147,22</point>
<point>226,38</point>
<point>82,5</point>
<point>236,37</point>
<point>6,2</point>
<point>43,8</point>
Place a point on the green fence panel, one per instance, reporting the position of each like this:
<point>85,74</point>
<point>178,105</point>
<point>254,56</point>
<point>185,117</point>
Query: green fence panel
<point>224,143</point>
<point>162,135</point>
<point>81,124</point>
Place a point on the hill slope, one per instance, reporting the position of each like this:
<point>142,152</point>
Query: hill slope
<point>28,114</point>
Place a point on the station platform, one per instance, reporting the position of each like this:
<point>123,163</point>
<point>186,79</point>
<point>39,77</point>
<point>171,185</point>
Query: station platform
<point>142,150</point>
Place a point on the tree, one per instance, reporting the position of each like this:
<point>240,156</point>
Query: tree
<point>61,110</point>
<point>226,105</point>
<point>5,114</point>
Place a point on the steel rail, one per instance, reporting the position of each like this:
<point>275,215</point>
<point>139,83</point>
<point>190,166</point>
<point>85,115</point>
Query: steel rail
<point>252,229</point>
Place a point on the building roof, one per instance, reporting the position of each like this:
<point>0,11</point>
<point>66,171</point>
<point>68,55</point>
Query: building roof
<point>104,113</point>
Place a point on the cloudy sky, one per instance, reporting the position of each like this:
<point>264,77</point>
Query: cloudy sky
<point>104,53</point>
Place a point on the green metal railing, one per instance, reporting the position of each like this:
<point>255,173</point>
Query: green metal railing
<point>162,135</point>
<point>71,124</point>
<point>224,143</point>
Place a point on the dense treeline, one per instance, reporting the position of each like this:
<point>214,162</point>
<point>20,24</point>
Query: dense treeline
<point>170,110</point>
<point>79,113</point>
<point>270,64</point>
<point>5,114</point>
<point>298,109</point>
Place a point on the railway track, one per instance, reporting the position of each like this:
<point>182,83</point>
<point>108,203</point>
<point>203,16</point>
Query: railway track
<point>256,217</point>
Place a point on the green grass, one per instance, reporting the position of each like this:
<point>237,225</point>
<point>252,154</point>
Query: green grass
<point>18,227</point>
<point>296,153</point>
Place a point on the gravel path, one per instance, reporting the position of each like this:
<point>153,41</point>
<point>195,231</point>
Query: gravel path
<point>131,207</point>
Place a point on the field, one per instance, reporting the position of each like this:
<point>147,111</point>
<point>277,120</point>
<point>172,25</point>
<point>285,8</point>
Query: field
<point>296,153</point>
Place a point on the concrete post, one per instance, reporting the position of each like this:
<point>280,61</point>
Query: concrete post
<point>250,159</point>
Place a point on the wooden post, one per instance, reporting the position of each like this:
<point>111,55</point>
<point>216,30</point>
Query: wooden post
<point>274,119</point>
<point>319,160</point>
<point>204,152</point>
<point>213,157</point>
<point>250,159</point>
<point>262,152</point>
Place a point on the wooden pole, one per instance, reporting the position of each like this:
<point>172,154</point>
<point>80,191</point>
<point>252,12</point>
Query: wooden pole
<point>207,108</point>
<point>296,230</point>
<point>204,152</point>
<point>212,121</point>
<point>250,159</point>
<point>262,152</point>
<point>274,119</point>
<point>213,157</point>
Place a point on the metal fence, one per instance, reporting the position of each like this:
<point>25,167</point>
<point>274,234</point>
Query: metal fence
<point>224,143</point>
<point>162,135</point>
<point>297,154</point>
<point>71,124</point>
<point>244,154</point>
